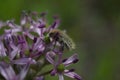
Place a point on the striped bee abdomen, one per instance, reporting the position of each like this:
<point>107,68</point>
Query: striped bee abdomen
<point>62,37</point>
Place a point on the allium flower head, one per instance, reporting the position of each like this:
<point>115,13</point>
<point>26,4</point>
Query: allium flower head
<point>26,48</point>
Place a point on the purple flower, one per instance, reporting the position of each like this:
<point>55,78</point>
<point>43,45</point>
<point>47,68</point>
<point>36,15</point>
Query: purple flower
<point>24,49</point>
<point>7,71</point>
<point>60,66</point>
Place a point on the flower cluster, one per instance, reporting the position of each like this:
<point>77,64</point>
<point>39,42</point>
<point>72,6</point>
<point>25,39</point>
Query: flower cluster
<point>27,48</point>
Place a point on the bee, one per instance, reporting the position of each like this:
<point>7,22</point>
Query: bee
<point>62,38</point>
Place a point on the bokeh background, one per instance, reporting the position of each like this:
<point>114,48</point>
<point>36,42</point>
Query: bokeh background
<point>94,26</point>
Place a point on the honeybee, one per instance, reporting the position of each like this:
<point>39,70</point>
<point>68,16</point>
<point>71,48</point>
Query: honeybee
<point>62,38</point>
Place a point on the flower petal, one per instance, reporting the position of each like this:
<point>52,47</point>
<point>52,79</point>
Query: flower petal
<point>2,49</point>
<point>54,25</point>
<point>15,51</point>
<point>49,57</point>
<point>7,71</point>
<point>39,45</point>
<point>72,75</point>
<point>23,72</point>
<point>11,24</point>
<point>29,35</point>
<point>53,72</point>
<point>61,77</point>
<point>71,60</point>
<point>23,61</point>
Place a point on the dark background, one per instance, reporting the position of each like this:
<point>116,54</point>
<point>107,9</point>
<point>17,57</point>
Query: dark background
<point>94,26</point>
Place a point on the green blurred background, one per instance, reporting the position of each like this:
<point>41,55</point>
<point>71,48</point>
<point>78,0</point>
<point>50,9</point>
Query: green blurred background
<point>94,25</point>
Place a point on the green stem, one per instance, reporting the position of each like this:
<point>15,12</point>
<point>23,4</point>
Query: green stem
<point>45,73</point>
